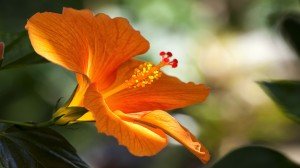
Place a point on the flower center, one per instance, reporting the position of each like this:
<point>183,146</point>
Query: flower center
<point>145,74</point>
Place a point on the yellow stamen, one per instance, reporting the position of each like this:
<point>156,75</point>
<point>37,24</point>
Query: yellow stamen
<point>143,75</point>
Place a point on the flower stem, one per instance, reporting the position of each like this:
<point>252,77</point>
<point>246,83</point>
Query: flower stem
<point>29,124</point>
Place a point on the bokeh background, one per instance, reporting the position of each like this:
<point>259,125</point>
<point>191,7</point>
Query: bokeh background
<point>227,44</point>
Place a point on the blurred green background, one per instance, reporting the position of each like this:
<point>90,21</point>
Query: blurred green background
<point>226,44</point>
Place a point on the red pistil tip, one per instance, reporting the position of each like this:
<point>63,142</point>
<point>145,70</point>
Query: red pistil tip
<point>169,54</point>
<point>166,59</point>
<point>162,53</point>
<point>1,50</point>
<point>174,63</point>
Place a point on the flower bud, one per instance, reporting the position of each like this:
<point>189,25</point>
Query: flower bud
<point>68,115</point>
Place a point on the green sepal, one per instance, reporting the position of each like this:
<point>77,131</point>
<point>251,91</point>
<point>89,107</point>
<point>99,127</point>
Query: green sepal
<point>68,115</point>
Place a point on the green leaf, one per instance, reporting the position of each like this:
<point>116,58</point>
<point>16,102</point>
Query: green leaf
<point>15,13</point>
<point>290,29</point>
<point>254,157</point>
<point>18,51</point>
<point>36,148</point>
<point>286,94</point>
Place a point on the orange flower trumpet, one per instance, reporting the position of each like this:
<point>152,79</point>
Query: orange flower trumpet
<point>127,98</point>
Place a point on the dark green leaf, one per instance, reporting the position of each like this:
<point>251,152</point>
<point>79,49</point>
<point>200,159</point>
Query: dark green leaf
<point>290,29</point>
<point>18,51</point>
<point>255,157</point>
<point>15,13</point>
<point>287,95</point>
<point>38,147</point>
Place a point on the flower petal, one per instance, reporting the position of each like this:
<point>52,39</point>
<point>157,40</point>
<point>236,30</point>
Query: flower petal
<point>77,100</point>
<point>170,126</point>
<point>87,44</point>
<point>87,117</point>
<point>166,93</point>
<point>58,39</point>
<point>140,139</point>
<point>83,83</point>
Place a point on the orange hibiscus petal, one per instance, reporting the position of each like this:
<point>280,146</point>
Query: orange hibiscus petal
<point>166,93</point>
<point>140,139</point>
<point>58,39</point>
<point>83,83</point>
<point>122,43</point>
<point>163,120</point>
<point>84,43</point>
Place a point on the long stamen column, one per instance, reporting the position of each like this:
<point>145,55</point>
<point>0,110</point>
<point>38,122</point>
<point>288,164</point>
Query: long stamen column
<point>145,74</point>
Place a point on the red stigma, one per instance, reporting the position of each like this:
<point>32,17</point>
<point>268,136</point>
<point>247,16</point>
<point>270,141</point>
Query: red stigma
<point>1,50</point>
<point>166,59</point>
<point>162,53</point>
<point>169,54</point>
<point>174,63</point>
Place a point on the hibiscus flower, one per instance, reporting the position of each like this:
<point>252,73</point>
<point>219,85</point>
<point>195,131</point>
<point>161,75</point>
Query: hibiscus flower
<point>126,98</point>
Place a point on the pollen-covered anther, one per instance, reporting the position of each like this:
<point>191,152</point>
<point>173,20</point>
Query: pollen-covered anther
<point>147,73</point>
<point>143,75</point>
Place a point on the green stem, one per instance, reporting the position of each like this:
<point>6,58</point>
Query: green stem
<point>28,124</point>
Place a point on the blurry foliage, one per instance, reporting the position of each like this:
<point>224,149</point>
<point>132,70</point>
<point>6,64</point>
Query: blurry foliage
<point>286,94</point>
<point>255,157</point>
<point>289,26</point>
<point>259,11</point>
<point>14,13</point>
<point>175,14</point>
<point>18,51</point>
